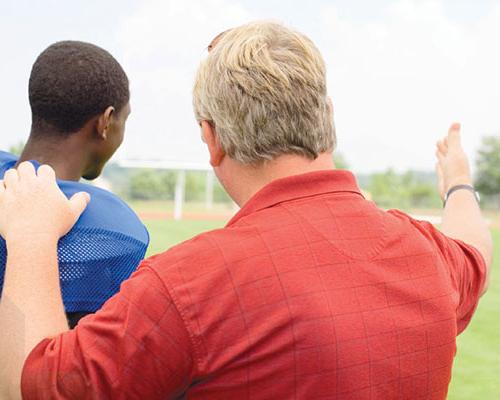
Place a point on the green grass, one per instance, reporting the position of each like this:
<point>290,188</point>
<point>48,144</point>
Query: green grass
<point>166,233</point>
<point>476,372</point>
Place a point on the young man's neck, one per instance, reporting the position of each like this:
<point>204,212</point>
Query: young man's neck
<point>65,156</point>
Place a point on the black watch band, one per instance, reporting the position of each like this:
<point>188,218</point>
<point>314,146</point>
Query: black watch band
<point>470,188</point>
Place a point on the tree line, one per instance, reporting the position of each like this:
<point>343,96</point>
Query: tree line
<point>409,189</point>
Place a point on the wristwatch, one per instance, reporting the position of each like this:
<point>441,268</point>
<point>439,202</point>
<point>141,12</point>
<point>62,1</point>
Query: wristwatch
<point>460,187</point>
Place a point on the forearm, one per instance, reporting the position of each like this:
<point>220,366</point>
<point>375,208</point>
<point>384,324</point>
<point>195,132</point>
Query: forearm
<point>462,219</point>
<point>31,307</point>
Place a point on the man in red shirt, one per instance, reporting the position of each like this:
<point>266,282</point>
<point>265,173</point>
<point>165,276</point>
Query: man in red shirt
<point>309,292</point>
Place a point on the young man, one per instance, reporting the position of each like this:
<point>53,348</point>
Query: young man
<point>309,292</point>
<point>79,97</point>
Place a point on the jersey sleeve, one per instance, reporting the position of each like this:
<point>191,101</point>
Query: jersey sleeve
<point>93,262</point>
<point>466,267</point>
<point>136,346</point>
<point>102,250</point>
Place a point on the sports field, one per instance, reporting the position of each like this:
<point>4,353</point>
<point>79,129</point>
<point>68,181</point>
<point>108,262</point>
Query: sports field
<point>476,373</point>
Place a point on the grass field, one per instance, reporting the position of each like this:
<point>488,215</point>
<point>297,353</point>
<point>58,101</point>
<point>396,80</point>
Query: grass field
<point>476,373</point>
<point>167,233</point>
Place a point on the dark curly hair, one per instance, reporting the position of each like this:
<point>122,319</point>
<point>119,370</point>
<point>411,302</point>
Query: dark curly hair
<point>70,83</point>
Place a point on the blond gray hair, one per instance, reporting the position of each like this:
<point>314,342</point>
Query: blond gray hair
<point>263,87</point>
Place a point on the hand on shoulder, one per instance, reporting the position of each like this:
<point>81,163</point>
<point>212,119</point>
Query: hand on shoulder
<point>33,206</point>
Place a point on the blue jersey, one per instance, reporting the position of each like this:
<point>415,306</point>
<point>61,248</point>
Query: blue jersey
<point>103,248</point>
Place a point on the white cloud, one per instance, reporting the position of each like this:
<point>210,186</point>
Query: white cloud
<point>398,82</point>
<point>162,44</point>
<point>398,76</point>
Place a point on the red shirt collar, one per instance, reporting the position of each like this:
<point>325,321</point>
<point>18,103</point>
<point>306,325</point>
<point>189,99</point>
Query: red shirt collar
<point>296,187</point>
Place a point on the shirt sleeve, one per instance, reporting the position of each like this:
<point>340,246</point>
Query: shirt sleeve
<point>466,266</point>
<point>136,346</point>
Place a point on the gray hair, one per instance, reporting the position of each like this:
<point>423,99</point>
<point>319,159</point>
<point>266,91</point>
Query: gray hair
<point>263,86</point>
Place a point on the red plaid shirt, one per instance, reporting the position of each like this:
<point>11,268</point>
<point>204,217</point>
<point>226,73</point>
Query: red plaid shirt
<point>309,292</point>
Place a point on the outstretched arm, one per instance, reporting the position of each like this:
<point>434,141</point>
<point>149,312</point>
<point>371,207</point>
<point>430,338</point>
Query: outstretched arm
<point>34,214</point>
<point>462,217</point>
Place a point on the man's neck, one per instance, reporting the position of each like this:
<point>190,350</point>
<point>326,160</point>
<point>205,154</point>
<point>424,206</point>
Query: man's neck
<point>252,179</point>
<point>65,157</point>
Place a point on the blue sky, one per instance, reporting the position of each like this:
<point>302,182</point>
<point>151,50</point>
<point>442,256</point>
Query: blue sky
<point>399,71</point>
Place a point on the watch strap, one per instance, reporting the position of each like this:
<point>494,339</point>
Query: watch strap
<point>453,189</point>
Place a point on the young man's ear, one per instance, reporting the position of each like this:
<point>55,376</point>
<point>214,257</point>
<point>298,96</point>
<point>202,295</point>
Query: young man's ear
<point>104,121</point>
<point>210,137</point>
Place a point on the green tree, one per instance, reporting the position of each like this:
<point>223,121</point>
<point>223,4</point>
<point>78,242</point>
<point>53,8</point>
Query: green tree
<point>423,194</point>
<point>340,161</point>
<point>385,188</point>
<point>167,182</point>
<point>17,149</point>
<point>410,189</point>
<point>147,185</point>
<point>488,166</point>
<point>195,186</point>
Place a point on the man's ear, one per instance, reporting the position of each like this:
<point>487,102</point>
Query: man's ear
<point>104,121</point>
<point>210,137</point>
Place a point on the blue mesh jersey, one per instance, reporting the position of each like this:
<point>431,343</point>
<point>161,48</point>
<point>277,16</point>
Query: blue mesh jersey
<point>104,247</point>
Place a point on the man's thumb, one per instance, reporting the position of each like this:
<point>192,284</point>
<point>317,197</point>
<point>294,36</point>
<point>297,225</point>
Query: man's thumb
<point>454,135</point>
<point>78,202</point>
